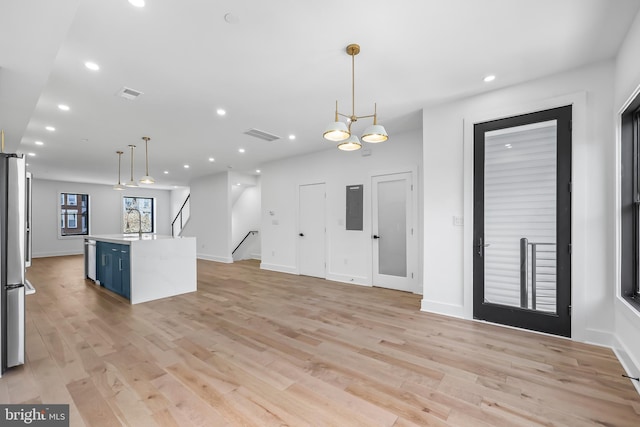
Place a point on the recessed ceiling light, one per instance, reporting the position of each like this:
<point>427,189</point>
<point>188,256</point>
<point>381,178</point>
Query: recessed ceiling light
<point>211,159</point>
<point>292,137</point>
<point>63,107</point>
<point>489,78</point>
<point>31,154</point>
<point>50,128</point>
<point>257,170</point>
<point>241,150</point>
<point>186,166</point>
<point>166,172</point>
<point>221,112</point>
<point>39,143</point>
<point>92,66</point>
<point>137,3</point>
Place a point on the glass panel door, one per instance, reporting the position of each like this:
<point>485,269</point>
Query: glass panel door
<point>394,245</point>
<point>522,221</point>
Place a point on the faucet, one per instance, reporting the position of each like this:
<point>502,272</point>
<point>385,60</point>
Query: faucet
<point>139,220</point>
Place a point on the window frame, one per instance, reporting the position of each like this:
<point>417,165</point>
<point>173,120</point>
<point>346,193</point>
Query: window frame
<point>65,221</point>
<point>630,203</point>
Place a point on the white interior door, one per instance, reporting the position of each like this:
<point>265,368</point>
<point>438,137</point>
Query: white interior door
<point>312,230</point>
<point>394,243</point>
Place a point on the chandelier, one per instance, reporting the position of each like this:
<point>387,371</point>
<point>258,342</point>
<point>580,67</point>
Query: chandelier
<point>338,131</point>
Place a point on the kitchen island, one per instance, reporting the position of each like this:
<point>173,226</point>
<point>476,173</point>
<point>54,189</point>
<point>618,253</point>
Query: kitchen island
<point>143,267</point>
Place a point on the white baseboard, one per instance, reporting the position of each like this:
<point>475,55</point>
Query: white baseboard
<point>226,260</point>
<point>631,367</point>
<point>279,268</point>
<point>597,337</point>
<point>52,254</point>
<point>352,280</point>
<point>444,309</point>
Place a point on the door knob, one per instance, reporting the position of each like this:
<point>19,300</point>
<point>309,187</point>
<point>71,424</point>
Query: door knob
<point>375,236</point>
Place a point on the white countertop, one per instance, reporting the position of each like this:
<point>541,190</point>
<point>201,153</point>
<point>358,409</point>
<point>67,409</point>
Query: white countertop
<point>128,238</point>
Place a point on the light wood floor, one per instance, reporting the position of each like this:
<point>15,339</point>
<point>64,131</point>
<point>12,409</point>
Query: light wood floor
<point>268,349</point>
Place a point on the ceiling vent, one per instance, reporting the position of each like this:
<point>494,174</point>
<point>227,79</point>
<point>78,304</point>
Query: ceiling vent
<point>128,93</point>
<point>262,134</point>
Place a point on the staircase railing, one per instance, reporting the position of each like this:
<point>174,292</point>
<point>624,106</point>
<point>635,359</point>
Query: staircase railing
<point>250,233</point>
<point>180,217</point>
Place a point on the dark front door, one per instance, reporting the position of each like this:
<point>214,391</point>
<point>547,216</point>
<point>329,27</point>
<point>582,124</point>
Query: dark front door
<point>522,221</point>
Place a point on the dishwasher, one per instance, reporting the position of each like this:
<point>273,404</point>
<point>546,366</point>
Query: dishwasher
<point>90,259</point>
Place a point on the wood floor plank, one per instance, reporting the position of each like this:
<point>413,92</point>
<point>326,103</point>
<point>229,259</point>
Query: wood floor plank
<point>259,348</point>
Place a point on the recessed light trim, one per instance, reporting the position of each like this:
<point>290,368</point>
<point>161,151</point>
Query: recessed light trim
<point>241,150</point>
<point>258,171</point>
<point>92,66</point>
<point>63,107</point>
<point>221,112</point>
<point>292,137</point>
<point>211,159</point>
<point>31,154</point>
<point>137,3</point>
<point>39,143</point>
<point>50,128</point>
<point>166,172</point>
<point>489,78</point>
<point>186,166</point>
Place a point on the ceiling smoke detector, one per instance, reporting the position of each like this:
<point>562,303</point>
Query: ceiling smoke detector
<point>261,134</point>
<point>128,93</point>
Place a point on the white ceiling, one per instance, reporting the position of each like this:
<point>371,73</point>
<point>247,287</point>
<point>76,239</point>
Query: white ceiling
<point>278,67</point>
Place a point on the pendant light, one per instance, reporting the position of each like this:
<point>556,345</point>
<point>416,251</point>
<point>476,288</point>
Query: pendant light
<point>131,183</point>
<point>350,144</point>
<point>119,185</point>
<point>146,179</point>
<point>338,131</point>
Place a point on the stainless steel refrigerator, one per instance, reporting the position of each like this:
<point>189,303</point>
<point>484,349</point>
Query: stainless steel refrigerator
<point>13,252</point>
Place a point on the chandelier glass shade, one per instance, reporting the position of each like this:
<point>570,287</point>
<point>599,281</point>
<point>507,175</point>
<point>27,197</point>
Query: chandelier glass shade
<point>338,131</point>
<point>119,185</point>
<point>350,144</point>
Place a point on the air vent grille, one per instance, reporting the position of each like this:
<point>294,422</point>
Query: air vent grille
<point>261,134</point>
<point>128,93</point>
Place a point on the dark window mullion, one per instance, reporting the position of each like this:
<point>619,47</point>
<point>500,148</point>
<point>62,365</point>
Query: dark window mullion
<point>636,199</point>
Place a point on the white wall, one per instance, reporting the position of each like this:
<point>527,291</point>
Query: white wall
<point>627,319</point>
<point>210,220</point>
<point>447,192</point>
<point>348,252</point>
<point>105,213</point>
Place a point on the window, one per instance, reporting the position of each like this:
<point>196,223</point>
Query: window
<point>630,200</point>
<point>138,215</point>
<point>74,221</point>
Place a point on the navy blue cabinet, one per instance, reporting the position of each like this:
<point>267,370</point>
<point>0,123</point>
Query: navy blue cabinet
<point>113,267</point>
